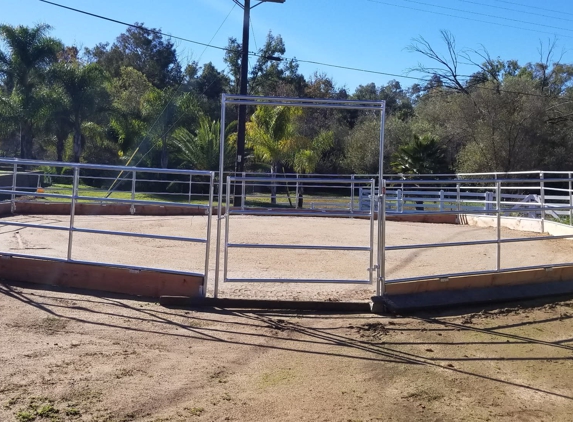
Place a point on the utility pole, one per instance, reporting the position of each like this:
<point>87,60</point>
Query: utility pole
<point>240,164</point>
<point>240,161</point>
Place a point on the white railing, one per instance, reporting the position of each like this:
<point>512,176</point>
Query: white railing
<point>31,185</point>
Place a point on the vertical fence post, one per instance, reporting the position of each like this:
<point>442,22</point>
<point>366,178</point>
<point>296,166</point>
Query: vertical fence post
<point>14,183</point>
<point>488,201</point>
<point>190,186</point>
<point>352,193</point>
<point>75,184</point>
<point>243,189</point>
<point>226,244</point>
<point>441,200</point>
<point>542,188</point>
<point>296,192</point>
<point>570,200</point>
<point>133,181</point>
<point>382,240</point>
<point>372,212</point>
<point>458,196</point>
<point>220,191</point>
<point>208,239</point>
<point>399,201</point>
<point>498,208</point>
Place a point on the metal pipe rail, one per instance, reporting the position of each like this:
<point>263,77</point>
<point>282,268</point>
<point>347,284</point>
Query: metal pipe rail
<point>103,199</point>
<point>229,211</point>
<point>295,280</point>
<point>83,166</point>
<point>298,247</point>
<point>304,102</point>
<point>502,208</point>
<point>75,197</point>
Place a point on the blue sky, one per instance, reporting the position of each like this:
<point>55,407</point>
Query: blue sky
<point>367,34</point>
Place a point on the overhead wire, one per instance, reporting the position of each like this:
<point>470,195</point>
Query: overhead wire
<point>472,12</point>
<point>173,94</point>
<point>534,7</point>
<point>466,18</point>
<point>251,53</point>
<point>155,31</point>
<point>294,58</point>
<point>515,10</point>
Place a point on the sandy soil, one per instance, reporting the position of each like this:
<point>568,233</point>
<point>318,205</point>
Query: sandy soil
<point>69,357</point>
<point>261,263</point>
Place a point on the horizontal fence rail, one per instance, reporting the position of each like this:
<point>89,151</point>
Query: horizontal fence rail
<point>534,196</point>
<point>47,182</point>
<point>542,197</point>
<point>246,207</point>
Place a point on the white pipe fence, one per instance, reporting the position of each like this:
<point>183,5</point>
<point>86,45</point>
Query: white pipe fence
<point>24,188</point>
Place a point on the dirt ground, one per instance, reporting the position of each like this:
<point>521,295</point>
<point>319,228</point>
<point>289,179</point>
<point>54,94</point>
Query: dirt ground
<point>274,263</point>
<point>71,357</point>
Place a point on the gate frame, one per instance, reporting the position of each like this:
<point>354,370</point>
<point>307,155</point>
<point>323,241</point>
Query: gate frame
<point>252,100</point>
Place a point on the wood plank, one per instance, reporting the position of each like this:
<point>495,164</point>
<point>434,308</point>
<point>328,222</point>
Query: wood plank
<point>512,278</point>
<point>102,278</point>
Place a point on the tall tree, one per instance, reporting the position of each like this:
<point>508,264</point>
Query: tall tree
<point>29,52</point>
<point>144,49</point>
<point>423,155</point>
<point>269,134</point>
<point>86,96</point>
<point>200,150</point>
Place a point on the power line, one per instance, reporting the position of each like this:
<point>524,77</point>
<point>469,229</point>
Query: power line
<point>253,34</point>
<point>515,10</point>
<point>468,19</point>
<point>535,7</point>
<point>225,48</point>
<point>355,69</point>
<point>154,31</point>
<point>216,32</point>
<point>487,15</point>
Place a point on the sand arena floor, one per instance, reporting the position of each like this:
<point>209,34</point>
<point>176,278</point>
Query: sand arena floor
<point>273,263</point>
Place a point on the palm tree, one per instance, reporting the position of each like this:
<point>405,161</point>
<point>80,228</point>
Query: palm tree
<point>85,97</point>
<point>200,151</point>
<point>423,155</point>
<point>22,69</point>
<point>270,134</point>
<point>166,111</point>
<point>305,154</point>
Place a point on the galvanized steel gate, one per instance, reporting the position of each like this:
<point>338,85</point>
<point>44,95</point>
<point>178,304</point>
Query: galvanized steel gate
<point>226,210</point>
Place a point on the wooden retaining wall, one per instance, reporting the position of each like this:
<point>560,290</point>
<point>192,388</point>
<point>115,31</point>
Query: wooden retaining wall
<point>511,278</point>
<point>151,284</point>
<point>54,208</point>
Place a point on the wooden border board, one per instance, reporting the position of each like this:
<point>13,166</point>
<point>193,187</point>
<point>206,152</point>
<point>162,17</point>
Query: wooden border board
<point>99,277</point>
<point>511,278</point>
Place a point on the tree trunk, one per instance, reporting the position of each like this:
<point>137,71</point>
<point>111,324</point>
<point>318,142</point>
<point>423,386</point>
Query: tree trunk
<point>300,197</point>
<point>273,185</point>
<point>164,153</point>
<point>26,142</point>
<point>77,143</point>
<point>60,142</point>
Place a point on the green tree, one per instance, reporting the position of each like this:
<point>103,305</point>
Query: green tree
<point>127,121</point>
<point>423,155</point>
<point>85,97</point>
<point>200,150</point>
<point>29,52</point>
<point>166,111</point>
<point>270,134</point>
<point>143,49</point>
<point>305,154</point>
